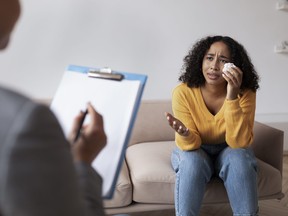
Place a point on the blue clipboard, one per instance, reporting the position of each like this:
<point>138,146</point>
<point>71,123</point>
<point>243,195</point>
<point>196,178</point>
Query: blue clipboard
<point>116,96</point>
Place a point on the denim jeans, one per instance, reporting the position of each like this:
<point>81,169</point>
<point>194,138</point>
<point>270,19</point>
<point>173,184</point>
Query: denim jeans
<point>194,169</point>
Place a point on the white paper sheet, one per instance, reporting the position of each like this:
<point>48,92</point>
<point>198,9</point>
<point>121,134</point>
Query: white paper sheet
<point>114,100</point>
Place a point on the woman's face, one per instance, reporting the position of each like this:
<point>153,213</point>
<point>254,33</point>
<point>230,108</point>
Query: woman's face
<point>213,62</point>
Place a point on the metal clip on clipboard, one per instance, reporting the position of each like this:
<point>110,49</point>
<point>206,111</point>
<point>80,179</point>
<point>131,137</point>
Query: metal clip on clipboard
<point>105,73</point>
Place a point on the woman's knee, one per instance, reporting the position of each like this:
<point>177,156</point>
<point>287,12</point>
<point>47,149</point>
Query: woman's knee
<point>195,162</point>
<point>240,159</point>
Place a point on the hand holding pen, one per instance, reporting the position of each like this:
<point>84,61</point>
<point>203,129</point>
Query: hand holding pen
<point>87,140</point>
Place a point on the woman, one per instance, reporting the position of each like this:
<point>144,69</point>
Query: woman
<point>213,118</point>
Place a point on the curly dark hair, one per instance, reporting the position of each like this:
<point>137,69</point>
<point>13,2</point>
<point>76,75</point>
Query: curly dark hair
<point>192,68</point>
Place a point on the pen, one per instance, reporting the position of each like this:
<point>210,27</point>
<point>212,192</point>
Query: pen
<point>80,125</point>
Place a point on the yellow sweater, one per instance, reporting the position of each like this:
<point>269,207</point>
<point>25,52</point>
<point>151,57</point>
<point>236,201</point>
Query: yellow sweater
<point>233,123</point>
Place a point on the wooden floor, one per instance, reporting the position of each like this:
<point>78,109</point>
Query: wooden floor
<point>266,208</point>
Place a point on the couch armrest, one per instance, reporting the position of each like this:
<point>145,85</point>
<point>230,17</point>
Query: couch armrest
<point>268,145</point>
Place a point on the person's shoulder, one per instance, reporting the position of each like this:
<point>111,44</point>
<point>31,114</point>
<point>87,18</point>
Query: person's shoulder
<point>10,96</point>
<point>247,93</point>
<point>19,113</point>
<point>180,88</point>
<point>14,103</point>
<point>183,88</point>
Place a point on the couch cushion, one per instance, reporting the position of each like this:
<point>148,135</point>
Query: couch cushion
<point>153,178</point>
<point>123,191</point>
<point>151,173</point>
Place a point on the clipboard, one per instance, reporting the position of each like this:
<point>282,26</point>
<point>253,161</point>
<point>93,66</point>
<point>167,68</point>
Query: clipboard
<point>116,96</point>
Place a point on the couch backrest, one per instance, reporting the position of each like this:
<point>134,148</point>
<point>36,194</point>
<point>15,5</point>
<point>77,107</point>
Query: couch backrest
<point>151,123</point>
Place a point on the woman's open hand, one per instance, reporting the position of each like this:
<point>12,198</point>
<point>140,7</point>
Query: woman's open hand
<point>177,125</point>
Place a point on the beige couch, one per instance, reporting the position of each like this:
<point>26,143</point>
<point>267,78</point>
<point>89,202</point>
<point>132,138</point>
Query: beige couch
<point>146,182</point>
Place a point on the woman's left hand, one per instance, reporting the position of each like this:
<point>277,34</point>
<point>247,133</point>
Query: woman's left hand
<point>233,76</point>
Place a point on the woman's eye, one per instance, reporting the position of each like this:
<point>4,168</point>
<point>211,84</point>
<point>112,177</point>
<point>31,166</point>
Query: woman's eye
<point>209,58</point>
<point>223,61</point>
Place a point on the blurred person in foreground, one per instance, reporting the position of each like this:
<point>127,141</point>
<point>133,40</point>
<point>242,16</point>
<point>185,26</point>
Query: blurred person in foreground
<point>41,172</point>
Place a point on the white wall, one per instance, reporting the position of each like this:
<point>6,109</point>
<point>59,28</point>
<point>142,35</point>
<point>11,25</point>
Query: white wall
<point>148,36</point>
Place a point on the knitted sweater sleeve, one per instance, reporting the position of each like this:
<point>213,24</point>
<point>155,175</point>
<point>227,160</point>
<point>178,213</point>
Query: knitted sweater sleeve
<point>239,118</point>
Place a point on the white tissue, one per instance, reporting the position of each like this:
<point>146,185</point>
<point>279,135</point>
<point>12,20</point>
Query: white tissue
<point>227,66</point>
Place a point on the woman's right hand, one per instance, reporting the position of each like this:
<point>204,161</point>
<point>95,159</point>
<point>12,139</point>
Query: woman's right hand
<point>177,125</point>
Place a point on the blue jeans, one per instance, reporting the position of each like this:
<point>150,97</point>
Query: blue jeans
<point>194,169</point>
